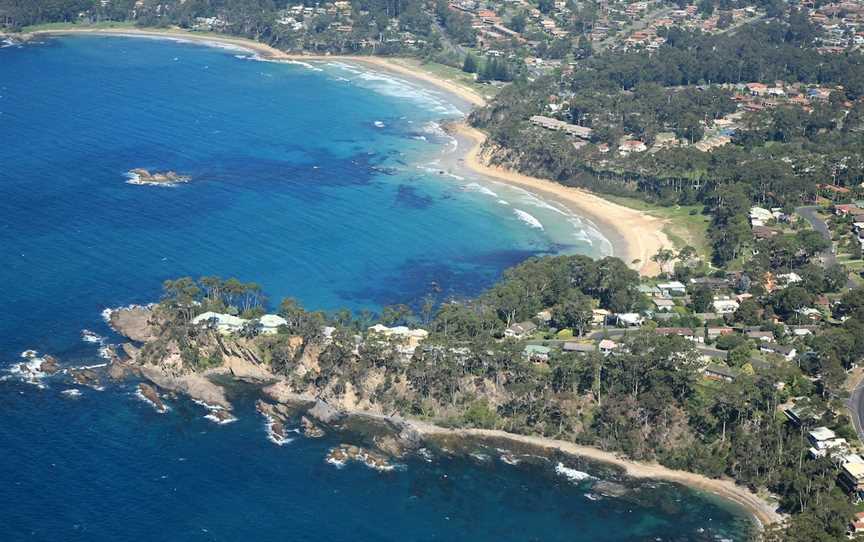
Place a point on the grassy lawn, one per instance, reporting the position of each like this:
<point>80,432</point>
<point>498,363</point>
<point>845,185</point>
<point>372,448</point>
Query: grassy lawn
<point>686,223</point>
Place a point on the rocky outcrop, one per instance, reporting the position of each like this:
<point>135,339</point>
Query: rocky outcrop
<point>344,453</point>
<point>149,393</point>
<point>281,392</point>
<point>120,370</point>
<point>85,377</point>
<point>134,322</point>
<point>49,365</point>
<point>194,385</point>
<point>310,429</point>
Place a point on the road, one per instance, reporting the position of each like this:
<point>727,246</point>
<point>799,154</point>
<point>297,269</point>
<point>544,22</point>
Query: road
<point>856,408</point>
<point>810,214</point>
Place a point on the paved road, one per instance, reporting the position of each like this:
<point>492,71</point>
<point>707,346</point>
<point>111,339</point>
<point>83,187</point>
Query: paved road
<point>856,408</point>
<point>809,213</point>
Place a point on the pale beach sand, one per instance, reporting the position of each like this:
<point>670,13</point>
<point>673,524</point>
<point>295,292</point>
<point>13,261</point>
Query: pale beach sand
<point>634,235</point>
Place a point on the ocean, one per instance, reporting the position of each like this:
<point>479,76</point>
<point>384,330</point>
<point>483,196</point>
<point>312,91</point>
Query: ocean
<point>317,181</point>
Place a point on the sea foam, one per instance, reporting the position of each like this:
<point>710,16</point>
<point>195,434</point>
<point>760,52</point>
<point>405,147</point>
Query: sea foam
<point>528,219</point>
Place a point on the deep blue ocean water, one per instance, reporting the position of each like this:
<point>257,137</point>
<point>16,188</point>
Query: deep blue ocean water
<point>318,182</point>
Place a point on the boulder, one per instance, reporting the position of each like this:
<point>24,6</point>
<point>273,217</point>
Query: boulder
<point>49,365</point>
<point>85,377</point>
<point>150,393</point>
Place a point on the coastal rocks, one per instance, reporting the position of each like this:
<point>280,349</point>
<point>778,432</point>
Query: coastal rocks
<point>119,370</point>
<point>149,394</point>
<point>220,416</point>
<point>276,416</point>
<point>86,377</point>
<point>194,385</point>
<point>281,392</point>
<point>610,489</point>
<point>345,453</point>
<point>325,413</point>
<point>310,429</point>
<point>144,177</point>
<point>135,322</point>
<point>49,365</point>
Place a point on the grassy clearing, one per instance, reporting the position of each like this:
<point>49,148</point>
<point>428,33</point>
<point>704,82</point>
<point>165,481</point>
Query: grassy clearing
<point>686,225</point>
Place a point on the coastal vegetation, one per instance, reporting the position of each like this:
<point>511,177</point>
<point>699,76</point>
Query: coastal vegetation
<point>649,399</point>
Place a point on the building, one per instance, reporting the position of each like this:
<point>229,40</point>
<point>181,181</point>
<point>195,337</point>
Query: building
<point>664,305</point>
<point>852,478</point>
<point>687,333</point>
<point>269,324</point>
<point>725,306</point>
<point>520,330</point>
<point>630,319</point>
<point>407,340</point>
<point>582,348</point>
<point>223,323</point>
<point>537,352</point>
<point>715,371</point>
<point>672,288</point>
<point>606,346</point>
<point>560,126</point>
<point>788,352</point>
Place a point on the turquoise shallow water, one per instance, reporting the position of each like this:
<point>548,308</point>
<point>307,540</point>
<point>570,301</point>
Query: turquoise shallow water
<point>318,182</point>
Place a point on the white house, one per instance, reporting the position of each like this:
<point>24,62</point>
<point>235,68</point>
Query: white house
<point>223,323</point>
<point>269,324</point>
<point>725,306</point>
<point>519,330</point>
<point>407,339</point>
<point>630,319</point>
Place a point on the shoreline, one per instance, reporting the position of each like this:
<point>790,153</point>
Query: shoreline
<point>763,512</point>
<point>633,235</point>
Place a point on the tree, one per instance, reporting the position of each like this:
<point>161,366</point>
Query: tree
<point>702,299</point>
<point>470,64</point>
<point>573,311</point>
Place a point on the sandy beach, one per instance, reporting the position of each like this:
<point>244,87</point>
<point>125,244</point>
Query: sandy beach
<point>635,236</point>
<point>764,512</point>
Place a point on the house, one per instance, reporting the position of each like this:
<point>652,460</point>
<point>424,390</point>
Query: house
<point>766,336</point>
<point>857,524</point>
<point>606,346</point>
<point>581,348</point>
<point>801,414</point>
<point>630,319</point>
<point>787,279</point>
<point>715,371</point>
<point>520,330</point>
<point>788,352</point>
<point>820,435</point>
<point>685,332</point>
<point>672,288</point>
<point>714,332</point>
<point>852,478</point>
<point>560,126</point>
<point>631,145</point>
<point>725,306</point>
<point>536,352</point>
<point>406,339</point>
<point>846,209</point>
<point>664,305</point>
<point>223,323</point>
<point>599,317</point>
<point>544,316</point>
<point>269,324</point>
